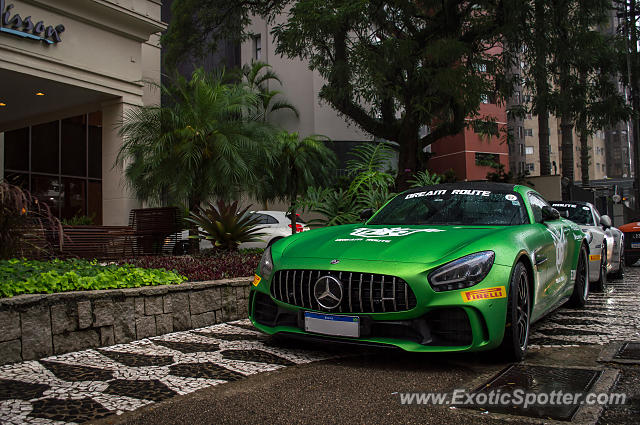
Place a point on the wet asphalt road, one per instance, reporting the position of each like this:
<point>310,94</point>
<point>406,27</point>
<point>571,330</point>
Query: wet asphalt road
<point>360,385</point>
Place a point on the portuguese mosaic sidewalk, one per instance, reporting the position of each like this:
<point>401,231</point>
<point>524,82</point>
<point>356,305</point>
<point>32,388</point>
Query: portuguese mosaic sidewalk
<point>92,384</point>
<point>613,315</point>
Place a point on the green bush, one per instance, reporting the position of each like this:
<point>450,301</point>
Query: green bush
<point>36,277</point>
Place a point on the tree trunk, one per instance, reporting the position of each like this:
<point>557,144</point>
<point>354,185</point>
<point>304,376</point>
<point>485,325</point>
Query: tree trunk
<point>584,158</point>
<point>635,99</point>
<point>566,126</point>
<point>543,138</point>
<point>408,158</point>
<point>542,87</point>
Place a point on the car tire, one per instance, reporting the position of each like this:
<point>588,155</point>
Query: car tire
<point>516,333</point>
<point>581,285</point>
<point>619,274</point>
<point>600,284</point>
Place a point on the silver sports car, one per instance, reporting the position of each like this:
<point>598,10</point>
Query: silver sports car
<point>607,242</point>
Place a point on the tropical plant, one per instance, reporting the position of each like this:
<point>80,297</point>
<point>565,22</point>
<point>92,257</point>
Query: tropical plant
<point>27,226</point>
<point>367,165</point>
<point>225,225</point>
<point>204,142</point>
<point>423,178</point>
<point>302,163</point>
<point>257,76</point>
<point>336,206</point>
<point>79,220</point>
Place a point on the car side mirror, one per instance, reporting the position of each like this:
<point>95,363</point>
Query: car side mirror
<point>549,214</point>
<point>605,221</point>
<point>366,214</point>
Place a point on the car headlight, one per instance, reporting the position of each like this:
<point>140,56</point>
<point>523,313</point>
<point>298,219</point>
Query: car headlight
<point>266,264</point>
<point>463,272</point>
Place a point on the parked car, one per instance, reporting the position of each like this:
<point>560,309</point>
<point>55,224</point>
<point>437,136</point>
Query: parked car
<point>450,267</point>
<point>632,242</point>
<point>606,256</point>
<point>275,225</point>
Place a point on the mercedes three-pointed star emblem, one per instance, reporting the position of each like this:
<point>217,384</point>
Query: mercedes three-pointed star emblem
<point>328,292</point>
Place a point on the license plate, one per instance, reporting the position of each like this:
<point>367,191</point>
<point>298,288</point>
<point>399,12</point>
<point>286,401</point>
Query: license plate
<point>332,324</point>
<point>635,245</point>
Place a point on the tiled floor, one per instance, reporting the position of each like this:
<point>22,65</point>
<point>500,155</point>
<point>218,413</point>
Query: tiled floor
<point>610,316</point>
<point>90,384</point>
<point>78,387</point>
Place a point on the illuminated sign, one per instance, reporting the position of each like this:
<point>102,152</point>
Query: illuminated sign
<point>14,24</point>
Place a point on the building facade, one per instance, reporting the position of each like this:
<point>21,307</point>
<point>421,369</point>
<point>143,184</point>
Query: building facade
<point>69,71</point>
<point>301,87</point>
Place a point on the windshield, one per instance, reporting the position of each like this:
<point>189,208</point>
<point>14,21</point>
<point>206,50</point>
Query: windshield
<point>453,207</point>
<point>579,214</point>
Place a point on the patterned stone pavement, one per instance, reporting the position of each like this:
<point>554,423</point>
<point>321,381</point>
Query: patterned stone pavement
<point>91,384</point>
<point>613,315</point>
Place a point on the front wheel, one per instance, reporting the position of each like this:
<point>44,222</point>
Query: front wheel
<point>516,333</point>
<point>581,285</point>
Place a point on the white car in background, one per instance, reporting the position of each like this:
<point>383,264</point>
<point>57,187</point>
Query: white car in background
<point>607,244</point>
<point>275,226</point>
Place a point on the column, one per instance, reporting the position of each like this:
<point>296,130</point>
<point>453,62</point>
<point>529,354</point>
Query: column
<point>117,200</point>
<point>1,156</point>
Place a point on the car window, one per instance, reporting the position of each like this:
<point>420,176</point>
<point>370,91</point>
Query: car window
<point>262,218</point>
<point>453,207</point>
<point>270,219</point>
<point>536,206</point>
<point>579,214</point>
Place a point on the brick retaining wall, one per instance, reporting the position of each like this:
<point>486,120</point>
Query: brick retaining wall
<point>37,326</point>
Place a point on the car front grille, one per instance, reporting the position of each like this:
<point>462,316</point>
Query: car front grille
<point>362,292</point>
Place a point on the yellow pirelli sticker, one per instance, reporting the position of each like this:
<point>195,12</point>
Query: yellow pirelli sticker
<point>484,294</point>
<point>594,258</point>
<point>256,280</point>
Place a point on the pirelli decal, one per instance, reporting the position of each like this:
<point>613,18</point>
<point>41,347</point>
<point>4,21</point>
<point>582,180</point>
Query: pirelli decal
<point>484,294</point>
<point>594,258</point>
<point>256,280</point>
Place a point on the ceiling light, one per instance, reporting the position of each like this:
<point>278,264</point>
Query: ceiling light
<point>39,94</point>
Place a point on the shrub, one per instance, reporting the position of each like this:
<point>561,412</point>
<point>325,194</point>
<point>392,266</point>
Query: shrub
<point>27,227</point>
<point>214,264</point>
<point>225,225</point>
<point>37,277</point>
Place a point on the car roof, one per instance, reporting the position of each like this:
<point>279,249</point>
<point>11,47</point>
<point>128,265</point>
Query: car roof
<point>491,186</point>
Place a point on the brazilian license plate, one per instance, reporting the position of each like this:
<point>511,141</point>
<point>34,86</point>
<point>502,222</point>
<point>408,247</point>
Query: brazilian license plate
<point>635,245</point>
<point>332,324</point>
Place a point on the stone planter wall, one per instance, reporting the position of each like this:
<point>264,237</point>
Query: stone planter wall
<point>37,326</point>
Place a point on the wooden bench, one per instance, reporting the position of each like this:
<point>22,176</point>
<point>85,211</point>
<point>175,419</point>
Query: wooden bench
<point>157,230</point>
<point>100,242</point>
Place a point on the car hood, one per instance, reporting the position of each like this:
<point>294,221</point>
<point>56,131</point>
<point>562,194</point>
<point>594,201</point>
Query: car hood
<point>404,244</point>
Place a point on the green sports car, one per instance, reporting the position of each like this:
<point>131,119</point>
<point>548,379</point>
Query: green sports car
<point>451,267</point>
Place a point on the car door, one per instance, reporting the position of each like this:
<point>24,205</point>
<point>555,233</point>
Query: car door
<point>550,257</point>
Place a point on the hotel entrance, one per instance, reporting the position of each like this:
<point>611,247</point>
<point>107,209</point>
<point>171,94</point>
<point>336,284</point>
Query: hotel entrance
<point>63,95</point>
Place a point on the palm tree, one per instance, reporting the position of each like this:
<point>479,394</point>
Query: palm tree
<point>256,77</point>
<point>303,163</point>
<point>206,142</point>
